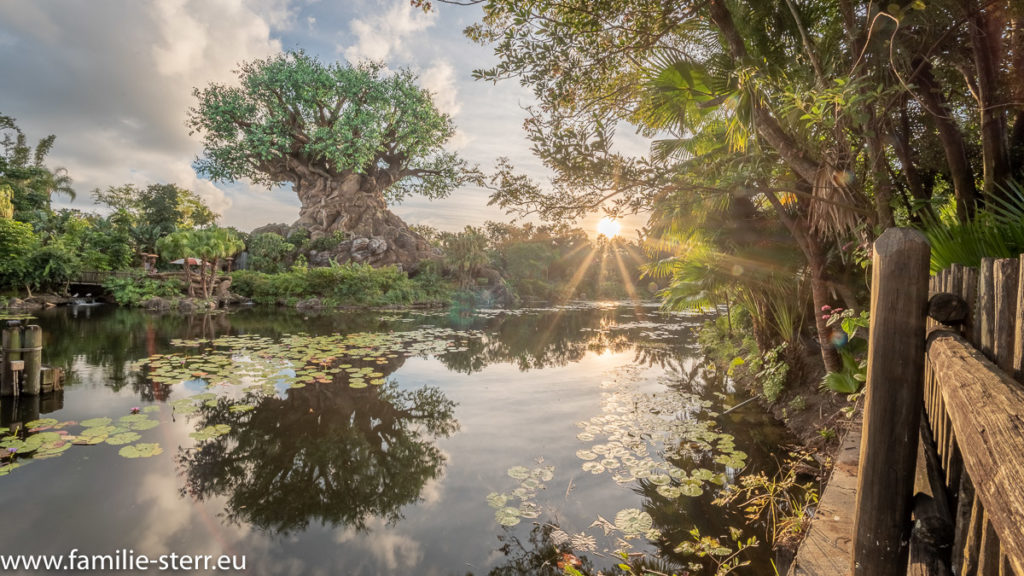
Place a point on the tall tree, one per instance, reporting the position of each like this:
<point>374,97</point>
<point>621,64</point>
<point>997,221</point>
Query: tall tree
<point>349,139</point>
<point>24,172</point>
<point>155,211</point>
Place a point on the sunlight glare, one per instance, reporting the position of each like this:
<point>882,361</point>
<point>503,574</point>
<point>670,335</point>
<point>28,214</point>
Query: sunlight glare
<point>609,227</point>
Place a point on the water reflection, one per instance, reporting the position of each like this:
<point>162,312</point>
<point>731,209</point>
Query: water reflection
<point>327,453</point>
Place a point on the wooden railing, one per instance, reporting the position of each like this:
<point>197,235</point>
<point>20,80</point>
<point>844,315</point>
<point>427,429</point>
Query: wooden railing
<point>975,412</point>
<point>958,371</point>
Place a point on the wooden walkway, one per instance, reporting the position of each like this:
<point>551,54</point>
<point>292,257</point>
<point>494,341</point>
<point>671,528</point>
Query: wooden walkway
<point>827,548</point>
<point>948,392</point>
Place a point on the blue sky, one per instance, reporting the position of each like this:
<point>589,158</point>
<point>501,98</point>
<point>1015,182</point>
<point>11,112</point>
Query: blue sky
<point>113,80</point>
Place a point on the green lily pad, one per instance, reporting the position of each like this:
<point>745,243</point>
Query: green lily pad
<point>496,500</point>
<point>519,472</point>
<point>94,422</point>
<point>211,432</point>
<point>41,423</point>
<point>633,522</point>
<point>123,438</point>
<point>507,516</point>
<point>141,450</point>
<point>9,467</point>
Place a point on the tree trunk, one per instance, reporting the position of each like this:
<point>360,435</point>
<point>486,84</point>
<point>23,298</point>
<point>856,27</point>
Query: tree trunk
<point>354,205</point>
<point>985,29</point>
<point>960,172</point>
<point>820,297</point>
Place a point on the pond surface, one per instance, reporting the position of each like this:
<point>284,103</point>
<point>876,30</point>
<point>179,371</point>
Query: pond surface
<point>437,443</point>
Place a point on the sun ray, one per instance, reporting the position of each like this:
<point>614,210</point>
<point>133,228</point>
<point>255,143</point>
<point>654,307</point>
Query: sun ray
<point>626,280</point>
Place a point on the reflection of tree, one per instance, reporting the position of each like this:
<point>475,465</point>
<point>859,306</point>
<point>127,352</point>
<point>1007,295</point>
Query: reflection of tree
<point>559,338</point>
<point>537,557</point>
<point>326,452</point>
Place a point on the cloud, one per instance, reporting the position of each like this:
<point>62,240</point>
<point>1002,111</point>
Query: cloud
<point>117,98</point>
<point>439,80</point>
<point>383,36</point>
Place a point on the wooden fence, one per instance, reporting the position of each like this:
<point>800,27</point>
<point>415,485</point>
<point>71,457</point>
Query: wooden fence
<point>966,373</point>
<point>975,412</point>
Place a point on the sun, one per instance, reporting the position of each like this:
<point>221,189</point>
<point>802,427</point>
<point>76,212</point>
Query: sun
<point>609,227</point>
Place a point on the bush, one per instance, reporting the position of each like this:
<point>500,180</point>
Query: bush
<point>269,253</point>
<point>340,285</point>
<point>135,291</point>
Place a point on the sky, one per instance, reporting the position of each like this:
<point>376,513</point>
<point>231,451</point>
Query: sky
<point>113,79</point>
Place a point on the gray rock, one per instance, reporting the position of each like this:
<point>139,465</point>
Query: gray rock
<point>156,303</point>
<point>377,245</point>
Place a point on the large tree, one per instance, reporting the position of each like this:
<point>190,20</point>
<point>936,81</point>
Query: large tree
<point>349,139</point>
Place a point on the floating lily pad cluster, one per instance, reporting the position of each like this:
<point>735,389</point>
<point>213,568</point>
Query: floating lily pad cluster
<point>673,426</point>
<point>49,438</point>
<point>531,481</point>
<point>266,365</point>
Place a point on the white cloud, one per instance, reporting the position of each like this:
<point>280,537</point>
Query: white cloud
<point>439,80</point>
<point>117,99</point>
<point>383,36</point>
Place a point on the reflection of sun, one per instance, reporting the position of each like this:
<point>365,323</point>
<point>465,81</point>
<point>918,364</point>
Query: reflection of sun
<point>609,227</point>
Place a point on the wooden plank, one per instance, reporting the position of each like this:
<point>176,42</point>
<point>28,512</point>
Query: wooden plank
<point>1005,274</point>
<point>1018,326</point>
<point>986,407</point>
<point>986,306</point>
<point>962,522</point>
<point>957,279</point>
<point>932,535</point>
<point>954,472</point>
<point>972,546</point>
<point>892,410</point>
<point>970,293</point>
<point>988,559</point>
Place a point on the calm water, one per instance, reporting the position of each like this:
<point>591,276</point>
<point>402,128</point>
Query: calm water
<point>385,443</point>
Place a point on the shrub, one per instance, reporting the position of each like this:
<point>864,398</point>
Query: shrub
<point>136,290</point>
<point>345,284</point>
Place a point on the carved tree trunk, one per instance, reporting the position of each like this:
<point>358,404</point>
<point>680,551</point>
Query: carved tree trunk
<point>353,203</point>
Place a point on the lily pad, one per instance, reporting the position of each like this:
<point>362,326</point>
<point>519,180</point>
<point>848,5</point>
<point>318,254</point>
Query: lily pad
<point>123,438</point>
<point>507,516</point>
<point>633,522</point>
<point>93,422</point>
<point>141,450</point>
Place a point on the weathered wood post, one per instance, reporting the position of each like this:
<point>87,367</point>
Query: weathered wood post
<point>32,343</point>
<point>892,411</point>
<point>11,341</point>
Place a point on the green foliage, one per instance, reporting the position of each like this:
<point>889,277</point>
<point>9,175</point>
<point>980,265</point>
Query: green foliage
<point>17,244</point>
<point>135,291</point>
<point>148,214</point>
<point>269,253</point>
<point>996,231</point>
<point>341,285</point>
<point>23,171</point>
<point>783,503</point>
<point>293,116</point>
<point>772,375</point>
<point>6,205</point>
<point>465,253</point>
<point>852,348</point>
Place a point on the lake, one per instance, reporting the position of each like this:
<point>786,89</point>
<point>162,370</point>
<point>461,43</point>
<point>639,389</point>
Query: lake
<point>409,442</point>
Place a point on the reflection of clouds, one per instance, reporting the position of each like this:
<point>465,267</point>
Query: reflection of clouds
<point>391,550</point>
<point>433,490</point>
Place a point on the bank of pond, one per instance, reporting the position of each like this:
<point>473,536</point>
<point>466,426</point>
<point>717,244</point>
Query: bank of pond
<point>530,441</point>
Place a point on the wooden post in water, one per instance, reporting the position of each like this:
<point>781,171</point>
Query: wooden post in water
<point>11,341</point>
<point>32,342</point>
<point>892,412</point>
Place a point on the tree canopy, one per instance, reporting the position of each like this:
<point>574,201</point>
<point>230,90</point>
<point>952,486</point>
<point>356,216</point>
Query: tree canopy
<point>294,118</point>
